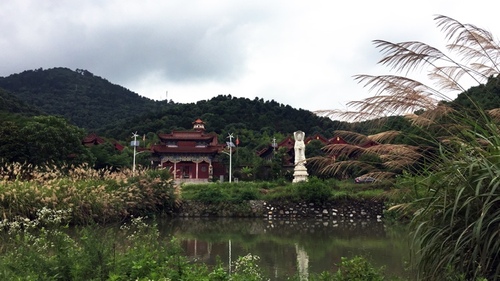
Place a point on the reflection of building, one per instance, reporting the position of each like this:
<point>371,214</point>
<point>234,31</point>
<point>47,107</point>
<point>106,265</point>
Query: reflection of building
<point>197,249</point>
<point>190,155</point>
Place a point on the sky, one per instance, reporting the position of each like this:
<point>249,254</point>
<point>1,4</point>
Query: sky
<point>298,53</point>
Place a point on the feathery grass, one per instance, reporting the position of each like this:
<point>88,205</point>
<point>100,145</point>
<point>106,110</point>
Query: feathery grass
<point>455,152</point>
<point>91,195</point>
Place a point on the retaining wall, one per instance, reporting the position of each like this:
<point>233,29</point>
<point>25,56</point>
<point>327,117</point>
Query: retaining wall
<point>332,210</point>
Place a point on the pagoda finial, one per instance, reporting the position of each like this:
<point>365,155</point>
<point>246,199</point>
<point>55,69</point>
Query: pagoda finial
<point>199,125</point>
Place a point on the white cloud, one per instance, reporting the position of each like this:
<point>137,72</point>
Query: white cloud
<point>300,53</point>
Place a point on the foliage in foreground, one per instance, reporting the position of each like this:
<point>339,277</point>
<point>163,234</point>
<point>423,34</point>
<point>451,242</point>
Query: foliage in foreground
<point>91,196</point>
<point>455,156</point>
<point>135,251</point>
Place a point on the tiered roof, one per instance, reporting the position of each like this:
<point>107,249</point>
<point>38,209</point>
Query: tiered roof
<point>92,139</point>
<point>187,142</point>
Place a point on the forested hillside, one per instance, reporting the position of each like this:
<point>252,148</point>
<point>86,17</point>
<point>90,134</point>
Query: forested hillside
<point>224,114</point>
<point>95,104</point>
<point>485,96</point>
<point>82,98</point>
<point>92,104</point>
<point>11,104</point>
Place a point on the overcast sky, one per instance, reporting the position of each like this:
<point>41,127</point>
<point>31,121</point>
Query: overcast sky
<point>299,53</point>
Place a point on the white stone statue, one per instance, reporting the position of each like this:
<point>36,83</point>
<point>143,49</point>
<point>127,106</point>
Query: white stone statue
<point>300,170</point>
<point>300,147</point>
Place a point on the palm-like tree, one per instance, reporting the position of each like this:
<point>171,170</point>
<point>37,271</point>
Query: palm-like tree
<point>456,228</point>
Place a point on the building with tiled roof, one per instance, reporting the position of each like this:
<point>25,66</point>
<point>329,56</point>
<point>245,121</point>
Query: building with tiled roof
<point>192,155</point>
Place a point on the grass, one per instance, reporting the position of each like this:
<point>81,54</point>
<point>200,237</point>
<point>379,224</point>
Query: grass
<point>315,190</point>
<point>449,164</point>
<point>91,196</point>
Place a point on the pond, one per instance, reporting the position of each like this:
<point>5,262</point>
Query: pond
<point>291,248</point>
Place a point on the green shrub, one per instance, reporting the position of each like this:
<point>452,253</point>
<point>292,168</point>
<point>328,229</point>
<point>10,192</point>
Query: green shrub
<point>247,194</point>
<point>210,195</point>
<point>92,196</point>
<point>314,190</point>
<point>357,269</point>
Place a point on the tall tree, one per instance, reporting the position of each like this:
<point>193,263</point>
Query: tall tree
<point>44,139</point>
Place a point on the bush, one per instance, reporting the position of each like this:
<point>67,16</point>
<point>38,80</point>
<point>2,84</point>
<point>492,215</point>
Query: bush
<point>210,194</point>
<point>162,174</point>
<point>247,194</point>
<point>357,269</point>
<point>314,191</point>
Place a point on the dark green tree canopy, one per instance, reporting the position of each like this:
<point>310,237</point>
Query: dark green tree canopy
<point>42,139</point>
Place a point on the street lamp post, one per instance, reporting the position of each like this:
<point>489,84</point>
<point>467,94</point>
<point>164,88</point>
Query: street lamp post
<point>231,145</point>
<point>135,144</point>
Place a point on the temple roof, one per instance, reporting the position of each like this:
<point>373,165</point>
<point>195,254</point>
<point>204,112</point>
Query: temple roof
<point>188,135</point>
<point>198,121</point>
<point>189,149</point>
<point>337,140</point>
<point>318,137</point>
<point>92,138</point>
<point>194,141</point>
<point>288,142</point>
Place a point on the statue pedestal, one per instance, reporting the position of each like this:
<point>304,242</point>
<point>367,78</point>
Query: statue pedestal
<point>300,173</point>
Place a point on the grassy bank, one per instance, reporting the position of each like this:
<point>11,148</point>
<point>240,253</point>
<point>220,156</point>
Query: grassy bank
<point>314,190</point>
<point>89,196</point>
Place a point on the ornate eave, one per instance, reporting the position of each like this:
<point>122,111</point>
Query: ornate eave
<point>176,158</point>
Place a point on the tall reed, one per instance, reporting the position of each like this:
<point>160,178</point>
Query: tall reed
<point>455,153</point>
<point>91,195</point>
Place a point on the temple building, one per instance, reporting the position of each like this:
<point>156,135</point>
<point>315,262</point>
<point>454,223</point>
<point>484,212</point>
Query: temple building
<point>192,155</point>
<point>93,139</point>
<point>267,153</point>
<point>288,143</point>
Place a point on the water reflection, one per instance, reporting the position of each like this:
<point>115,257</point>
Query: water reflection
<point>288,248</point>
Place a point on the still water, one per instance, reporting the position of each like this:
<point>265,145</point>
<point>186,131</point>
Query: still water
<point>291,248</point>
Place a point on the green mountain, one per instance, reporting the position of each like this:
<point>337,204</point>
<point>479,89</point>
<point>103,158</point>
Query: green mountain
<point>97,105</point>
<point>84,99</point>
<point>11,104</point>
<point>226,114</point>
<point>486,96</point>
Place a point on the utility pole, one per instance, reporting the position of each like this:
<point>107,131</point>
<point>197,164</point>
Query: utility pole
<point>231,145</point>
<point>135,144</point>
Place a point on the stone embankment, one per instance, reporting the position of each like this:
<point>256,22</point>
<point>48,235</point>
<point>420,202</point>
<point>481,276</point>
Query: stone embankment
<point>341,210</point>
